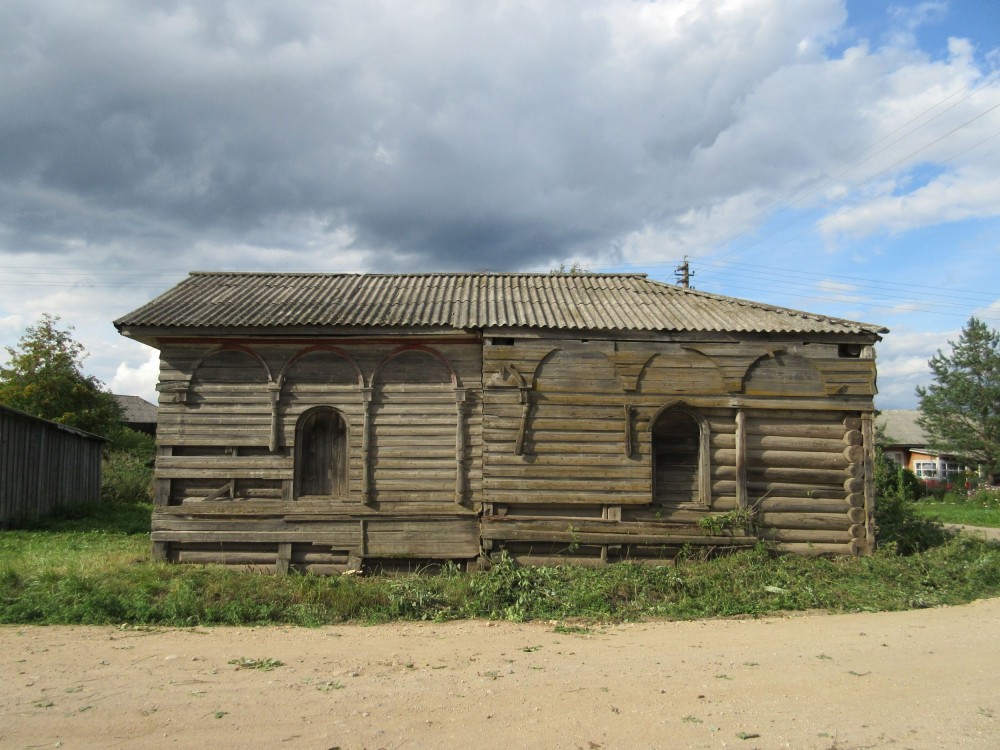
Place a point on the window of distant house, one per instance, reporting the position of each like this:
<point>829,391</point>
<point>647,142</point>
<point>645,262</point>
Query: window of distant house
<point>926,469</point>
<point>321,453</point>
<point>951,468</point>
<point>680,463</point>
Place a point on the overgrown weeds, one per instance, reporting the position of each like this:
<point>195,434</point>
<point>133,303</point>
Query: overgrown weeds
<point>92,566</point>
<point>114,589</point>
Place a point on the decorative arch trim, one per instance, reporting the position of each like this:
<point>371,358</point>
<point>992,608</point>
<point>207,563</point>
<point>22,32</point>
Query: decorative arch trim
<point>298,356</point>
<point>233,348</point>
<point>773,354</point>
<point>416,348</point>
<point>678,405</point>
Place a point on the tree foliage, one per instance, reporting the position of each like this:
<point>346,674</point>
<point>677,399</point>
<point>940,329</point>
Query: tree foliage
<point>960,410</point>
<point>44,376</point>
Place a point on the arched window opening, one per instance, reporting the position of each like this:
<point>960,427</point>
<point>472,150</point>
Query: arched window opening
<point>678,458</point>
<point>321,453</point>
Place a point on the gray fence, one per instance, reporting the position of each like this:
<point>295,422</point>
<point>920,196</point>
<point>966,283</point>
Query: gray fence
<point>44,465</point>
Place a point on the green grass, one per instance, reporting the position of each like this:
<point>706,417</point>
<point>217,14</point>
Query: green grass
<point>980,509</point>
<point>963,513</point>
<point>95,569</point>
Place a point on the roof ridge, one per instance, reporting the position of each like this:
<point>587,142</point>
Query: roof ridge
<point>542,274</point>
<point>468,299</point>
<point>767,306</point>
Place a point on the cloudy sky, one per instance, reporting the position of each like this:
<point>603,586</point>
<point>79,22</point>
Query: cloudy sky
<point>838,157</point>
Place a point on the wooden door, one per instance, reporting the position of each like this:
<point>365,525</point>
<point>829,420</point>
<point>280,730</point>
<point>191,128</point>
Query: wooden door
<point>320,447</point>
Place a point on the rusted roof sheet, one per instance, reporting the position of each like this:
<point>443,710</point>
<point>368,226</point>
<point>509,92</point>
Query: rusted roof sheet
<point>611,302</point>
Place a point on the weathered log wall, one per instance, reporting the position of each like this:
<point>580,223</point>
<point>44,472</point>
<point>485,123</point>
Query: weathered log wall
<point>572,465</point>
<point>44,466</point>
<point>552,441</point>
<point>227,443</point>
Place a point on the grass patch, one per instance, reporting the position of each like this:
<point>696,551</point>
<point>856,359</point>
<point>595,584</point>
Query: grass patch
<point>960,513</point>
<point>263,665</point>
<point>93,567</point>
<point>979,509</point>
<point>101,581</point>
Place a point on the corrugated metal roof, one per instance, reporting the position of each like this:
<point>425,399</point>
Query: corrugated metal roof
<point>613,302</point>
<point>901,427</point>
<point>136,410</point>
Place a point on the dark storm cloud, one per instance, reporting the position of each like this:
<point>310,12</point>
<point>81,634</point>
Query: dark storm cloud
<point>455,135</point>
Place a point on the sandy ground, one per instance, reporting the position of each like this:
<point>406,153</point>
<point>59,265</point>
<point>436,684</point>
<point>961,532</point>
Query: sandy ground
<point>921,679</point>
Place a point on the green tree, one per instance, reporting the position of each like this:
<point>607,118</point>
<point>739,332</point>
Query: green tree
<point>44,376</point>
<point>960,410</point>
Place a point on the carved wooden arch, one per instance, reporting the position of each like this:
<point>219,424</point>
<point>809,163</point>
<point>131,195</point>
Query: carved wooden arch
<point>233,348</point>
<point>460,395</point>
<point>275,388</point>
<point>507,373</point>
<point>321,348</point>
<point>538,366</point>
<point>509,376</point>
<point>731,370</point>
<point>630,366</point>
<point>704,447</point>
<point>416,348</point>
<point>681,405</point>
<point>772,354</point>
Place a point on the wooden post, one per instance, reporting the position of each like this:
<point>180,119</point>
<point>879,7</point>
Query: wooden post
<point>460,394</point>
<point>523,428</point>
<point>366,430</point>
<point>704,464</point>
<point>161,487</point>
<point>868,437</point>
<point>274,392</point>
<point>284,558</point>
<point>741,458</point>
<point>234,451</point>
<point>628,430</point>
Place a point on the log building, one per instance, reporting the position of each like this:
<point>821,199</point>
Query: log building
<point>319,421</point>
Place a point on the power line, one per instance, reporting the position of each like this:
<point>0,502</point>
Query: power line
<point>878,174</point>
<point>852,162</point>
<point>875,284</point>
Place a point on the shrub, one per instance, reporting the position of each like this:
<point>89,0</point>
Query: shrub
<point>899,524</point>
<point>126,478</point>
<point>127,474</point>
<point>893,479</point>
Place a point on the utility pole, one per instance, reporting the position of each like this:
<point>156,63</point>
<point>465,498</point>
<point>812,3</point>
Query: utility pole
<point>684,273</point>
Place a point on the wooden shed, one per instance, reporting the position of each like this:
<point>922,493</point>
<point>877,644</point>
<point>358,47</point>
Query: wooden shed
<point>322,420</point>
<point>45,466</point>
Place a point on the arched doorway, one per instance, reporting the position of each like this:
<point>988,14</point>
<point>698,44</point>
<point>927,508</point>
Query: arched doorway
<point>321,453</point>
<point>678,458</point>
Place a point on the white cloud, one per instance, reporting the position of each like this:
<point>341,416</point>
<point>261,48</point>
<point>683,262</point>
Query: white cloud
<point>952,198</point>
<point>138,380</point>
<point>902,365</point>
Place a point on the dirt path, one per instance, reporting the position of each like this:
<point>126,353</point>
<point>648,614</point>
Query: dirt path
<point>985,532</point>
<point>921,679</point>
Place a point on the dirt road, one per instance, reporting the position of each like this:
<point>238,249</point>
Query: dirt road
<point>921,679</point>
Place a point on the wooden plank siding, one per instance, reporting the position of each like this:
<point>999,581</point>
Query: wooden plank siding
<point>44,466</point>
